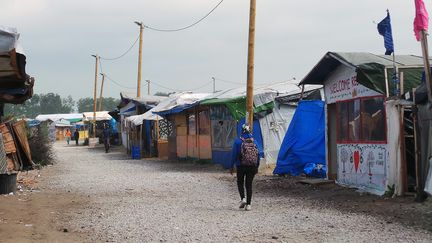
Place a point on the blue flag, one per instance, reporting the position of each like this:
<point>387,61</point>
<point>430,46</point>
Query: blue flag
<point>384,29</point>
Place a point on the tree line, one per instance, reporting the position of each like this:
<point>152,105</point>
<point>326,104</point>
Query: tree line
<point>52,103</point>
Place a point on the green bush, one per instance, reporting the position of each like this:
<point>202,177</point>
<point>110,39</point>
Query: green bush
<point>40,146</point>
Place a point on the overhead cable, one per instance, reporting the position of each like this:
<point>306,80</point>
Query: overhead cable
<point>186,27</point>
<point>122,55</point>
<point>178,90</point>
<point>117,83</point>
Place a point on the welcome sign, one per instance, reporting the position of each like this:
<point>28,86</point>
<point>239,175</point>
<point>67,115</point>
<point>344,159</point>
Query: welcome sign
<point>343,85</point>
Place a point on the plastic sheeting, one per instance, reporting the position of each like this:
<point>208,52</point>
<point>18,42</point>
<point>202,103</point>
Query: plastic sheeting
<point>137,120</point>
<point>235,99</point>
<point>55,117</point>
<point>100,116</point>
<point>304,142</point>
<point>428,186</point>
<point>425,132</point>
<point>274,126</point>
<point>9,40</point>
<point>176,103</point>
<point>129,109</point>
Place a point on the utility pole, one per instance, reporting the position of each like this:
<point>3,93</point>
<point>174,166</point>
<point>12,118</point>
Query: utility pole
<point>101,97</point>
<point>214,84</point>
<point>148,87</point>
<point>250,65</point>
<point>140,24</point>
<point>94,94</point>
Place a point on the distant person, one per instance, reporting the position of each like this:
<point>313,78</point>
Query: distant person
<point>245,156</point>
<point>106,137</point>
<point>68,136</point>
<point>76,136</point>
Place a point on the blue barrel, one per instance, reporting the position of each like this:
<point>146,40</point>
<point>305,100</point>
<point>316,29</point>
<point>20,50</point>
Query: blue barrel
<point>136,152</point>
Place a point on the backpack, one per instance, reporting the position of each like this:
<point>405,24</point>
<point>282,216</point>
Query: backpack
<point>248,153</point>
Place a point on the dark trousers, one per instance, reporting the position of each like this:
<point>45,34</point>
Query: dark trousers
<point>248,173</point>
<point>76,141</point>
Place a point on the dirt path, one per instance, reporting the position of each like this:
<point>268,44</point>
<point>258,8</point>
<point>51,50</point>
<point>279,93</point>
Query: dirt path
<point>98,197</point>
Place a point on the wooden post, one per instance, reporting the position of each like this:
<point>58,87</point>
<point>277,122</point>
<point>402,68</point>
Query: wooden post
<point>386,82</point>
<point>139,58</point>
<point>101,91</point>
<point>250,65</point>
<point>401,81</point>
<point>94,95</point>
<point>425,51</point>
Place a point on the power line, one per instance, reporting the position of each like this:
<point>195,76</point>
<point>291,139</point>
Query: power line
<point>122,55</point>
<point>179,90</point>
<point>117,83</point>
<point>200,87</point>
<point>186,27</point>
<point>230,82</point>
<point>165,87</point>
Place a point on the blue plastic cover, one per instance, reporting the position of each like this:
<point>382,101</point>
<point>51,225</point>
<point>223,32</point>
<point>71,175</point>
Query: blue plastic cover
<point>222,157</point>
<point>304,142</point>
<point>113,126</point>
<point>33,123</point>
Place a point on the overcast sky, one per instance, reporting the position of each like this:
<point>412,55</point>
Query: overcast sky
<point>59,38</point>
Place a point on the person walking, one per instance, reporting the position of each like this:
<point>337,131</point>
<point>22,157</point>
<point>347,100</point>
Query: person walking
<point>245,156</point>
<point>76,136</point>
<point>68,135</point>
<point>106,137</point>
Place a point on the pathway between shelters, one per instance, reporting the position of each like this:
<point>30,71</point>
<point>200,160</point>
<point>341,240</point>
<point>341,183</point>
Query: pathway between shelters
<point>151,200</point>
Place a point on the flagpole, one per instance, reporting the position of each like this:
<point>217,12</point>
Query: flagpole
<point>425,51</point>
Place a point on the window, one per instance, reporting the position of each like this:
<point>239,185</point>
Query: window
<point>204,123</point>
<point>354,128</point>
<point>373,123</point>
<point>361,120</point>
<point>191,124</point>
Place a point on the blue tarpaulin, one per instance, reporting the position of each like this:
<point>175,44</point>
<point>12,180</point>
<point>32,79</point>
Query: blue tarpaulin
<point>304,142</point>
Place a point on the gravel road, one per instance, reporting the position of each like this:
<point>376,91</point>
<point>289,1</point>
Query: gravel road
<point>160,201</point>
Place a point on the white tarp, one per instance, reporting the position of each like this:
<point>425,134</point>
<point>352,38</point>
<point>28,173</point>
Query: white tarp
<point>144,99</point>
<point>56,117</point>
<point>179,99</point>
<point>100,116</point>
<point>62,123</point>
<point>273,129</point>
<point>9,40</point>
<point>137,120</point>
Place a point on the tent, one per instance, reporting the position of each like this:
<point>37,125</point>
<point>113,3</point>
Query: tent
<point>304,142</point>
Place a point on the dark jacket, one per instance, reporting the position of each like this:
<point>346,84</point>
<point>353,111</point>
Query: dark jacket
<point>76,135</point>
<point>236,150</point>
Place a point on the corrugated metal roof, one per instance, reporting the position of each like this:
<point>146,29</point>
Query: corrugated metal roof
<point>332,60</point>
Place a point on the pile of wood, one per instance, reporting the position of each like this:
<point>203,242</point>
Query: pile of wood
<point>15,154</point>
